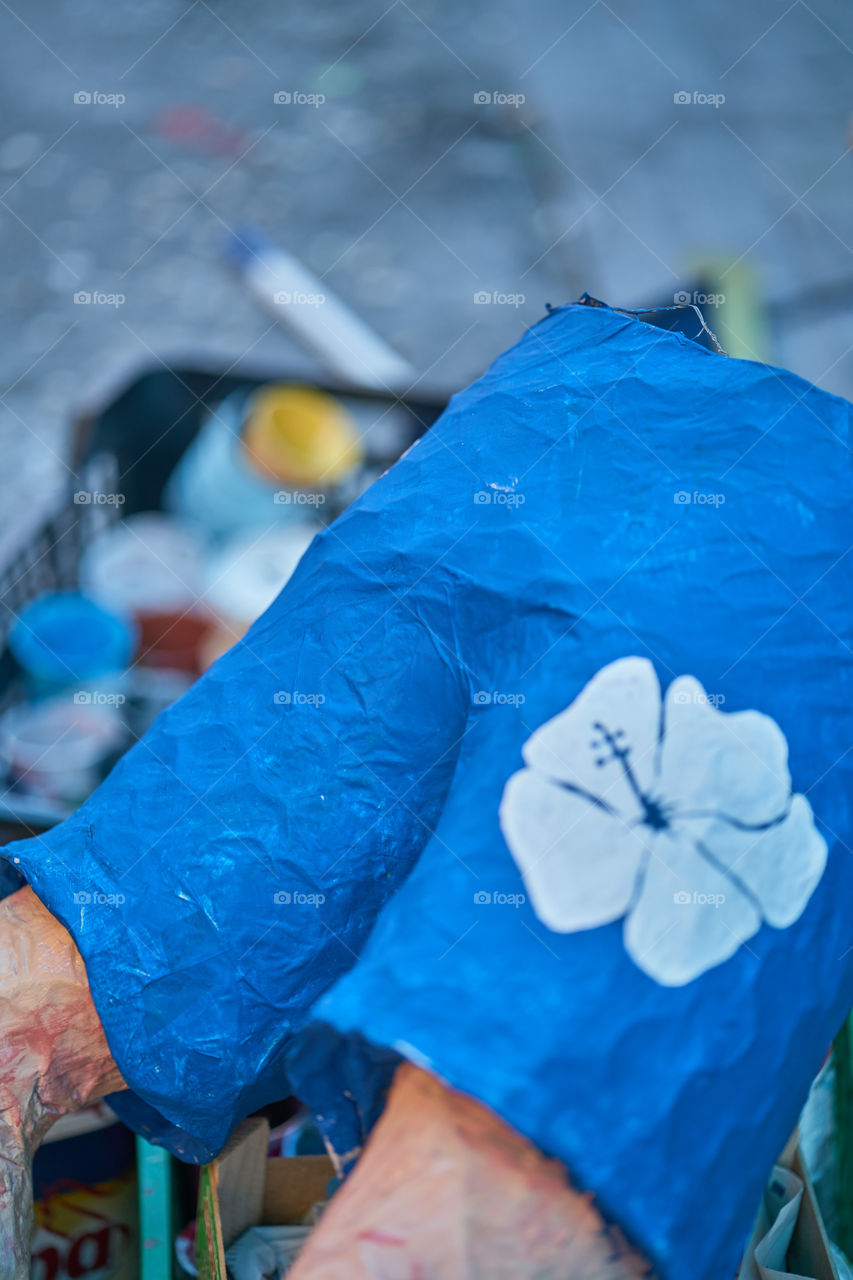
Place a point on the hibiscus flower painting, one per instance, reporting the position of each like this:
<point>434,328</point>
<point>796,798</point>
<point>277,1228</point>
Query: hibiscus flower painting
<point>672,815</point>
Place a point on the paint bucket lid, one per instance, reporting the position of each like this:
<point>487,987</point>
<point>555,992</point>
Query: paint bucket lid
<point>148,563</point>
<point>67,638</point>
<point>248,573</point>
<point>60,746</point>
<point>301,436</point>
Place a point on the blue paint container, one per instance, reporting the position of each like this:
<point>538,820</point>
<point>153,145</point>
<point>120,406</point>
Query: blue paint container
<point>63,639</point>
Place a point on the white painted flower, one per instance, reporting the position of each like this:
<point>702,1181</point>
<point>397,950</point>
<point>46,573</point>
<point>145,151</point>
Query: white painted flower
<point>677,817</point>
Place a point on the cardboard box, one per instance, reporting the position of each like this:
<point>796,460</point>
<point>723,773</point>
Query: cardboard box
<point>243,1188</point>
<point>808,1253</point>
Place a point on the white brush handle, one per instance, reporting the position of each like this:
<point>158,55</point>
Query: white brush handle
<point>324,324</point>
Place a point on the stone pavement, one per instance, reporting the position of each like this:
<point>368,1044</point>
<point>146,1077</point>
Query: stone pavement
<point>650,137</point>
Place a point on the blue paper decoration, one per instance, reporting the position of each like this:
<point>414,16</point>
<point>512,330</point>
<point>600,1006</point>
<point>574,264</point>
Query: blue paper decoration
<point>606,491</point>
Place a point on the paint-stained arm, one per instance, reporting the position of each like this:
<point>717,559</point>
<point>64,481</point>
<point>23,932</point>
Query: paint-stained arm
<point>446,1190</point>
<point>53,1056</point>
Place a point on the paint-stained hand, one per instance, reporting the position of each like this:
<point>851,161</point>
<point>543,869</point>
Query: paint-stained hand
<point>53,1056</point>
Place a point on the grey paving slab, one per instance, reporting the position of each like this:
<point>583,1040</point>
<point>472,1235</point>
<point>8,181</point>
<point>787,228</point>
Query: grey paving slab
<point>402,191</point>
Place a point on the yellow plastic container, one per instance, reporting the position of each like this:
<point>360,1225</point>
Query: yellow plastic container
<point>300,436</point>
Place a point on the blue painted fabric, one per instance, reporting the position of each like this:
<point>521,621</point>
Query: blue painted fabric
<point>606,490</point>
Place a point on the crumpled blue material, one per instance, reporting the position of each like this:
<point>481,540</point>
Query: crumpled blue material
<point>606,489</point>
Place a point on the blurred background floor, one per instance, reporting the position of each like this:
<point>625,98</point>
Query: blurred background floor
<point>421,181</point>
